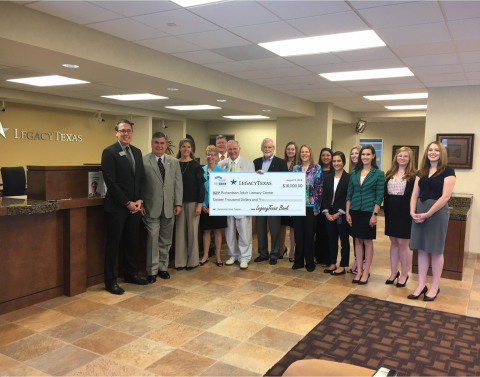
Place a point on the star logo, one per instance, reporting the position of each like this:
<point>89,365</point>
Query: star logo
<point>233,181</point>
<point>2,130</point>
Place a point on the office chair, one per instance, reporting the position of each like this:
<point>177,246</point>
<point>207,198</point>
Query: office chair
<point>14,181</point>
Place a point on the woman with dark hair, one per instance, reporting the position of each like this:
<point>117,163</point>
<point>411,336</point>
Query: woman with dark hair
<point>354,153</point>
<point>321,234</point>
<point>364,197</point>
<point>334,196</point>
<point>186,233</point>
<point>429,210</point>
<point>305,225</point>
<point>290,155</point>
<point>399,182</point>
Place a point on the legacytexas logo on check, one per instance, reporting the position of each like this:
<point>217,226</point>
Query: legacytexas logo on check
<point>253,194</point>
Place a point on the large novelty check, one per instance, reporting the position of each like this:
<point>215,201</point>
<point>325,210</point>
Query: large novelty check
<point>252,194</point>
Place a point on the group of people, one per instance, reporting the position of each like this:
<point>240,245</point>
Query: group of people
<point>163,190</point>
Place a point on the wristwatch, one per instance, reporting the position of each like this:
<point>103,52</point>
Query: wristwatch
<point>375,213</point>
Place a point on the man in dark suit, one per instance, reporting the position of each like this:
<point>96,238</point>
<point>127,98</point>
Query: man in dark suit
<point>122,167</point>
<point>163,201</point>
<point>269,163</point>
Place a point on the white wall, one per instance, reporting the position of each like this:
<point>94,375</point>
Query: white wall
<point>457,110</point>
<point>344,137</point>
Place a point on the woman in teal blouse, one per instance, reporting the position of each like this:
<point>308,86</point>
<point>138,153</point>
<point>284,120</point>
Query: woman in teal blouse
<point>364,197</point>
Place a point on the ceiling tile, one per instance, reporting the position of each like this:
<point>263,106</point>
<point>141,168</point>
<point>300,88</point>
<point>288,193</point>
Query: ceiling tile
<point>415,35</point>
<point>235,13</point>
<point>431,60</point>
<point>470,56</point>
<point>403,14</point>
<point>127,29</point>
<point>243,53</point>
<point>137,7</point>
<point>228,67</point>
<point>465,29</point>
<point>329,24</point>
<point>437,70</point>
<point>424,49</point>
<point>215,39</point>
<point>270,63</point>
<point>169,45</point>
<point>455,10</point>
<point>267,32</point>
<point>176,22</point>
<point>366,54</point>
<point>298,9</point>
<point>201,57</point>
<point>79,12</point>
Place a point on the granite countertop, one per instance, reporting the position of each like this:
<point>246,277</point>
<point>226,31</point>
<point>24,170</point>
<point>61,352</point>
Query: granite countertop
<point>460,205</point>
<point>12,206</point>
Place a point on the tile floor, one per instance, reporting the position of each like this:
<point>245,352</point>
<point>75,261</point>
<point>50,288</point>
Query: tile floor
<point>210,321</point>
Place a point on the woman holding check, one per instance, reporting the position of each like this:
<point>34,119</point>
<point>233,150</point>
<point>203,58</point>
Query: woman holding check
<point>364,196</point>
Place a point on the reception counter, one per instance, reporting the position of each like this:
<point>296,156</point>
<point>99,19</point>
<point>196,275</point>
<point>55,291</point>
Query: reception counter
<point>50,247</point>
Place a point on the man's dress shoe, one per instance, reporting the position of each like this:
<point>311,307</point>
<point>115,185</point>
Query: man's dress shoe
<point>151,279</point>
<point>135,279</point>
<point>114,289</point>
<point>164,274</point>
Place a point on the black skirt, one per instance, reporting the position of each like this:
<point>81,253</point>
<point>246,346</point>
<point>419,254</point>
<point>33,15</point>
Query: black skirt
<point>361,227</point>
<point>398,222</point>
<point>208,222</point>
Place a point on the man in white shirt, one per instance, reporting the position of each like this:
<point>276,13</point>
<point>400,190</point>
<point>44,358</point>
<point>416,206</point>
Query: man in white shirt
<point>238,250</point>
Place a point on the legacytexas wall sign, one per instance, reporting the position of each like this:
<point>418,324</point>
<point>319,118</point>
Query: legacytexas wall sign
<point>41,136</point>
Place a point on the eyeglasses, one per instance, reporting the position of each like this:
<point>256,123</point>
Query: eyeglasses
<point>125,131</point>
<point>211,154</point>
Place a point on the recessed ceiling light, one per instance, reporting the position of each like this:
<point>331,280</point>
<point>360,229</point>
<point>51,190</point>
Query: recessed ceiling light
<point>367,74</point>
<point>191,3</point>
<point>193,107</point>
<point>266,111</point>
<point>246,117</point>
<point>387,97</point>
<point>135,97</point>
<point>173,89</point>
<point>70,66</point>
<point>325,43</point>
<point>221,100</point>
<point>53,80</point>
<point>407,107</point>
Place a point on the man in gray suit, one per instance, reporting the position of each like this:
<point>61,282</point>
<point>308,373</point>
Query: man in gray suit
<point>163,200</point>
<point>238,250</point>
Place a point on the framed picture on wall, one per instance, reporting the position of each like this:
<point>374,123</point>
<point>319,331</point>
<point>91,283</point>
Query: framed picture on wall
<point>414,148</point>
<point>459,149</point>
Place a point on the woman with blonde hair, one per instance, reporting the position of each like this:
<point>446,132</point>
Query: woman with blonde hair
<point>207,222</point>
<point>399,182</point>
<point>429,210</point>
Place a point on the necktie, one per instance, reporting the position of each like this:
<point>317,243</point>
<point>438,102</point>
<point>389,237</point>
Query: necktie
<point>162,168</point>
<point>130,159</point>
<point>222,158</point>
<point>232,166</point>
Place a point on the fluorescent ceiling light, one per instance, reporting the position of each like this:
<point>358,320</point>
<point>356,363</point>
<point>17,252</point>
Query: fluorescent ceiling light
<point>53,80</point>
<point>193,107</point>
<point>73,66</point>
<point>191,3</point>
<point>246,117</point>
<point>368,74</point>
<point>407,107</point>
<point>325,43</point>
<point>387,97</point>
<point>135,97</point>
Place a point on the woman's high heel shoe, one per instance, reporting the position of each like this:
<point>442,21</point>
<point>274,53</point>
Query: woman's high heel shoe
<point>284,253</point>
<point>389,282</point>
<point>364,282</point>
<point>413,297</point>
<point>400,285</point>
<point>428,298</point>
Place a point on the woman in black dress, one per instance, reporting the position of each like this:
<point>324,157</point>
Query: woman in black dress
<point>430,214</point>
<point>186,233</point>
<point>334,196</point>
<point>399,182</point>
<point>321,234</point>
<point>207,222</point>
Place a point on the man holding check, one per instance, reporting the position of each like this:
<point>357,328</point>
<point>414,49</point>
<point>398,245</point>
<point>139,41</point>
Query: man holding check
<point>238,250</point>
